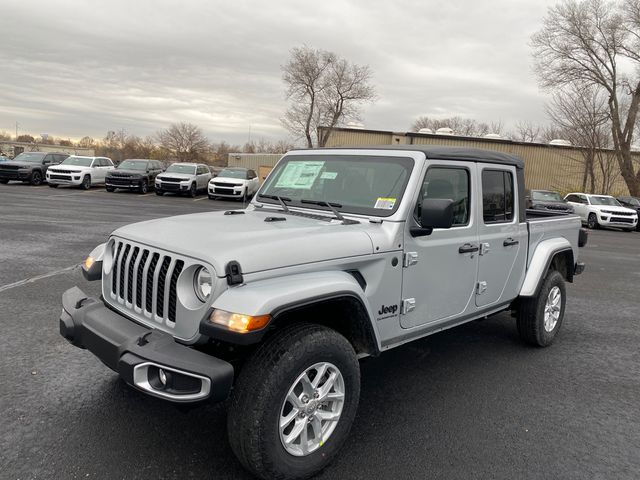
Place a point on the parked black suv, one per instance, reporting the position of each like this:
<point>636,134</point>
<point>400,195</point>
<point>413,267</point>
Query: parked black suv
<point>134,174</point>
<point>547,200</point>
<point>29,167</point>
<point>631,202</point>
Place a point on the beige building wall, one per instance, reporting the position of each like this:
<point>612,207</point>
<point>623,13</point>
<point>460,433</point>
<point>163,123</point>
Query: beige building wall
<point>9,147</point>
<point>261,163</point>
<point>546,166</point>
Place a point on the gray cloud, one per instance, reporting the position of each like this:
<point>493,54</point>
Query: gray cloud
<point>71,68</point>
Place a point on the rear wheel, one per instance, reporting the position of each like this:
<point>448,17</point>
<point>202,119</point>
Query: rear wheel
<point>86,182</point>
<point>36,178</point>
<point>592,221</point>
<point>294,402</point>
<point>540,317</point>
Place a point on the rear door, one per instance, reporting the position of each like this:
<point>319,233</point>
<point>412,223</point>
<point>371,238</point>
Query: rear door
<point>502,255</point>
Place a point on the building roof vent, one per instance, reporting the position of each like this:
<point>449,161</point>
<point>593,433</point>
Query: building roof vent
<point>561,142</point>
<point>355,125</point>
<point>444,131</point>
<point>425,130</point>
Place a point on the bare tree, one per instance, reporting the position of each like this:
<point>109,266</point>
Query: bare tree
<point>324,90</point>
<point>86,142</point>
<point>586,41</point>
<point>467,127</point>
<point>185,141</point>
<point>526,132</point>
<point>4,136</point>
<point>581,113</point>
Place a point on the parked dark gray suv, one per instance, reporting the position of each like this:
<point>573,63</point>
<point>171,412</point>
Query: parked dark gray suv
<point>134,174</point>
<point>29,167</point>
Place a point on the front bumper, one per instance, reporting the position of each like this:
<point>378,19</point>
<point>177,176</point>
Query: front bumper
<point>15,175</point>
<point>172,186</point>
<point>130,184</point>
<point>146,359</point>
<point>59,179</point>
<point>618,221</point>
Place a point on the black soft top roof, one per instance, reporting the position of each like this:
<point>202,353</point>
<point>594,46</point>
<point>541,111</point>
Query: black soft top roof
<point>449,153</point>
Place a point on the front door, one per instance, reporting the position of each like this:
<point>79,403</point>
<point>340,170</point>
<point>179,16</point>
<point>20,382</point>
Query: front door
<point>439,277</point>
<point>502,237</point>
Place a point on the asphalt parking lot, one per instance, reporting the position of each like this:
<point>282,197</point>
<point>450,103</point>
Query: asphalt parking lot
<point>472,402</point>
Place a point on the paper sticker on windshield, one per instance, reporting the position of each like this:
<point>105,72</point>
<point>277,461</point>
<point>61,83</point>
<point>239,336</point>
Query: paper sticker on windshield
<point>299,174</point>
<point>329,175</point>
<point>385,203</point>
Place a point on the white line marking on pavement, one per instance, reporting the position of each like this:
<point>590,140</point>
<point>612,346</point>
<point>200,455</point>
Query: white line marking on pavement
<point>198,199</point>
<point>36,278</point>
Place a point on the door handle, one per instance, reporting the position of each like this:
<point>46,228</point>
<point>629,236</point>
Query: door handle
<point>468,248</point>
<point>509,242</point>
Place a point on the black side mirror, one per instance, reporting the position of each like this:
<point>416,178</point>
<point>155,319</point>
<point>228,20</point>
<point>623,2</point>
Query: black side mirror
<point>436,213</point>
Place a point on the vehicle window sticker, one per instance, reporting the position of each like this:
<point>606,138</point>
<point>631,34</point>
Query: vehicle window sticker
<point>385,203</point>
<point>328,175</point>
<point>299,175</point>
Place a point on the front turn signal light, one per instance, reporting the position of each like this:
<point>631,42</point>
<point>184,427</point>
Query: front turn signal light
<point>238,322</point>
<point>88,263</point>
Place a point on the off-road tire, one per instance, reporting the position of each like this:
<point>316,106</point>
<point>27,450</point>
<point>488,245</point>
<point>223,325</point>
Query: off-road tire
<point>592,221</point>
<point>86,182</point>
<point>259,394</point>
<point>36,178</point>
<point>144,187</point>
<point>530,319</point>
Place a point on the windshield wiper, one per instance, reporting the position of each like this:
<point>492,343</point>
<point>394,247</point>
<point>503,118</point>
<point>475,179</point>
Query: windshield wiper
<point>331,206</point>
<point>278,198</point>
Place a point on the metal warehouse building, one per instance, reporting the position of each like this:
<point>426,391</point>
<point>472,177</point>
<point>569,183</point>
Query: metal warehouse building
<point>16,148</point>
<point>553,167</point>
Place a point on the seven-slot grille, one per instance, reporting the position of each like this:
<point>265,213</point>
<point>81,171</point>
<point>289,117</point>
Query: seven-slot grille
<point>145,281</point>
<point>68,172</point>
<point>172,179</point>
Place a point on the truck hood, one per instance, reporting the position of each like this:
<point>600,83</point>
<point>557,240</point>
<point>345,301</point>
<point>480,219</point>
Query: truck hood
<point>71,168</point>
<point>19,164</point>
<point>181,176</point>
<point>247,238</point>
<point>614,208</point>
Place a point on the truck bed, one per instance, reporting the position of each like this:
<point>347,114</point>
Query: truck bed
<point>544,225</point>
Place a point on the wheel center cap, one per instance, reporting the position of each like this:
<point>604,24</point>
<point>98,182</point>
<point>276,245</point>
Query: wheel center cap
<point>312,406</point>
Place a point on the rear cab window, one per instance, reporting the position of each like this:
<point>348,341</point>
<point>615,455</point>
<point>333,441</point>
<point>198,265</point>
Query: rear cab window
<point>497,196</point>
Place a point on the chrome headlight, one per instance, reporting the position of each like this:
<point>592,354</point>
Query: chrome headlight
<point>203,284</point>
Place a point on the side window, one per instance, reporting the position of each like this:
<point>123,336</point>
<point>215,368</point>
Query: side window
<point>252,174</point>
<point>584,199</point>
<point>47,160</point>
<point>200,170</point>
<point>451,183</point>
<point>497,196</point>
<point>107,163</point>
<point>571,198</point>
<point>96,163</point>
<point>59,158</point>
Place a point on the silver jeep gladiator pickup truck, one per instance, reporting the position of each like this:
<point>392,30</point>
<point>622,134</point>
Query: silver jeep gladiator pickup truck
<point>342,254</point>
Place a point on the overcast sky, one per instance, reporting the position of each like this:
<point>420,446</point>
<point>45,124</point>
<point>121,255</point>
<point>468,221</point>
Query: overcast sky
<point>75,68</point>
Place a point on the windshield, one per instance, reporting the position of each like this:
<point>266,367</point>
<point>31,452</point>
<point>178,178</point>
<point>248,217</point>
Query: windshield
<point>229,173</point>
<point>179,168</point>
<point>542,196</point>
<point>633,201</point>
<point>29,157</point>
<point>367,185</point>
<point>603,200</point>
<point>133,165</point>
<point>80,161</point>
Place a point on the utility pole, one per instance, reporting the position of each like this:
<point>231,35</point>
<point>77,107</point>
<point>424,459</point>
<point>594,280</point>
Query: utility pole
<point>17,125</point>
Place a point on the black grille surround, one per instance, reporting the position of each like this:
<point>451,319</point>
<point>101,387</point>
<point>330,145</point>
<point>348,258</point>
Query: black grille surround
<point>144,284</point>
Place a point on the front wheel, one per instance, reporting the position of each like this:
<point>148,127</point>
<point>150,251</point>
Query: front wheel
<point>294,402</point>
<point>86,182</point>
<point>540,317</point>
<point>592,221</point>
<point>144,187</point>
<point>193,191</point>
<point>36,178</point>
<point>4,181</point>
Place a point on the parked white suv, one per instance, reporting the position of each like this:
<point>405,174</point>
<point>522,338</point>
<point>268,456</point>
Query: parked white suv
<point>602,211</point>
<point>234,182</point>
<point>79,171</point>
<point>188,178</point>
